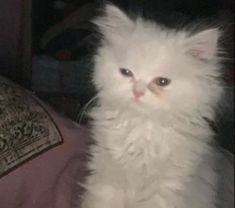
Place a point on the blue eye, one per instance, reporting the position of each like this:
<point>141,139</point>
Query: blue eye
<point>126,72</point>
<point>162,81</point>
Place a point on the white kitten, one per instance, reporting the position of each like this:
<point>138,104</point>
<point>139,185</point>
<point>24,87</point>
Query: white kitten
<point>156,87</point>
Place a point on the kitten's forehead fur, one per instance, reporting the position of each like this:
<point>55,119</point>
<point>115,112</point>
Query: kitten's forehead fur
<point>150,50</point>
<point>116,26</point>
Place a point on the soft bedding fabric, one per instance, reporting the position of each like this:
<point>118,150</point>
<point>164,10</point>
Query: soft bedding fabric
<point>48,177</point>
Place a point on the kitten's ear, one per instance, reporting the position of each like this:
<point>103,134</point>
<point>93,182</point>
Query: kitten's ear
<point>114,22</point>
<point>203,45</point>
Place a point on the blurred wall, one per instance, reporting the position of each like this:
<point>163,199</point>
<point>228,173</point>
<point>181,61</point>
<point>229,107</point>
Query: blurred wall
<point>10,16</point>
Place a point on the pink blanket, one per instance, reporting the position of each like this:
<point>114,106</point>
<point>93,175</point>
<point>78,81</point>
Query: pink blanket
<point>50,179</point>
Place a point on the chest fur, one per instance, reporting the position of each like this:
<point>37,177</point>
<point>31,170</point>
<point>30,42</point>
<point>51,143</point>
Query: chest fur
<point>141,142</point>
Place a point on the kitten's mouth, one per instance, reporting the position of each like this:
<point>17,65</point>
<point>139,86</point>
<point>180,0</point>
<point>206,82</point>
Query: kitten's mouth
<point>137,100</point>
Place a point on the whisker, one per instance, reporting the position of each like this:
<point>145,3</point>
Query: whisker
<point>84,109</point>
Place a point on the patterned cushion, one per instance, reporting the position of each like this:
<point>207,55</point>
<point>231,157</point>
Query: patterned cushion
<point>26,129</point>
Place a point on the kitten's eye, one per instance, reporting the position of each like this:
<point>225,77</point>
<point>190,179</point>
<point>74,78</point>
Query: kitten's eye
<point>126,72</point>
<point>162,82</point>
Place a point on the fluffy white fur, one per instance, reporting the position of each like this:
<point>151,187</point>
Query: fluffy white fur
<point>153,152</point>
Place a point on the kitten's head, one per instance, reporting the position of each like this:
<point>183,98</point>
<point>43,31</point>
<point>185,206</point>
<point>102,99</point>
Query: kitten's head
<point>148,68</point>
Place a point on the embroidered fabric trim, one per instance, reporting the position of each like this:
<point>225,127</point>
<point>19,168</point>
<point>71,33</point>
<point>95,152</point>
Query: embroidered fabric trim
<point>26,129</point>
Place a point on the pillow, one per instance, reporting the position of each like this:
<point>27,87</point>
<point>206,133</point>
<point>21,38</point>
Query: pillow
<point>42,154</point>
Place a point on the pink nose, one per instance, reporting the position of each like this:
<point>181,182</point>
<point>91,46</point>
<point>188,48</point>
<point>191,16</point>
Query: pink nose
<point>139,88</point>
<point>138,94</point>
